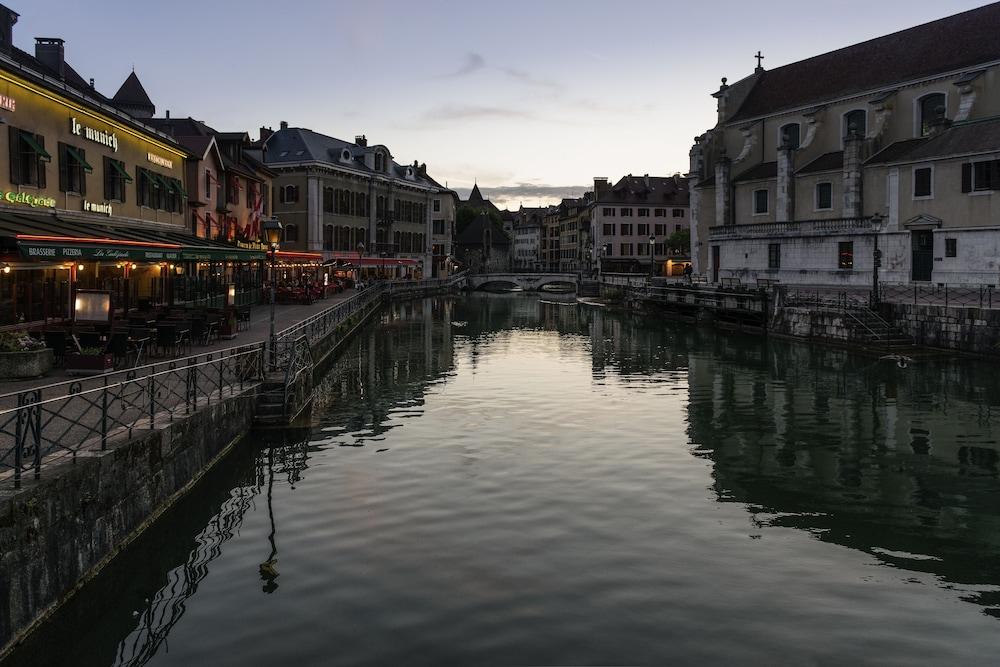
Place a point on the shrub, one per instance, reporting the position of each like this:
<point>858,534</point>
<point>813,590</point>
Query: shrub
<point>19,341</point>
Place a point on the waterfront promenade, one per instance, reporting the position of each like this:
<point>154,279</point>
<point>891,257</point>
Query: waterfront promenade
<point>257,332</point>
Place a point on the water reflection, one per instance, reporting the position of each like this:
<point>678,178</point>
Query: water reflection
<point>423,462</point>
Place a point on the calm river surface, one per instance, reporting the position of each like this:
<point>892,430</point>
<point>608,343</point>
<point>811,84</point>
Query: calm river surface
<point>497,480</point>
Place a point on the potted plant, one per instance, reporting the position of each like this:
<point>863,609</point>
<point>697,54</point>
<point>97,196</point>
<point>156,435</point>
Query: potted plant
<point>21,356</point>
<point>89,361</point>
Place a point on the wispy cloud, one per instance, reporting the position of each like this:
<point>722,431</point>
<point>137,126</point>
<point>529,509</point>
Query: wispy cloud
<point>529,194</point>
<point>453,112</point>
<point>475,62</point>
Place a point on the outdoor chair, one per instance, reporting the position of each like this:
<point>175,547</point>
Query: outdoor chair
<point>57,340</point>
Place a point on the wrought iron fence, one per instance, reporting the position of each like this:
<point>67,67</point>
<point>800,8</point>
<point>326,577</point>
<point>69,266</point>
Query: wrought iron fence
<point>68,419</point>
<point>822,297</point>
<point>322,324</point>
<point>949,296</point>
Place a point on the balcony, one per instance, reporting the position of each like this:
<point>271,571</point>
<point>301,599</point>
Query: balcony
<point>827,227</point>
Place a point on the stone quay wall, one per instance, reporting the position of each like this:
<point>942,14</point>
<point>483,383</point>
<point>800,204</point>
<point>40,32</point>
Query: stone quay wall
<point>58,531</point>
<point>970,330</point>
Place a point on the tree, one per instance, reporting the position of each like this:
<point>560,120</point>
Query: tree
<point>680,242</point>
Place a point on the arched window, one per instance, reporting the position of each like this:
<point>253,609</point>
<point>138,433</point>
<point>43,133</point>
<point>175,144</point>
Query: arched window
<point>930,107</point>
<point>857,122</point>
<point>291,233</point>
<point>328,200</point>
<point>379,162</point>
<point>788,136</point>
<point>328,237</point>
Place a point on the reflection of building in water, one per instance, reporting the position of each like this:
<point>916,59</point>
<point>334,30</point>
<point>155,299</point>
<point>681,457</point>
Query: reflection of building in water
<point>858,451</point>
<point>390,364</point>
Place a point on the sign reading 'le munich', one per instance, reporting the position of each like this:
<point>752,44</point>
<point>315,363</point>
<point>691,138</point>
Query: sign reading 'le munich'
<point>109,139</point>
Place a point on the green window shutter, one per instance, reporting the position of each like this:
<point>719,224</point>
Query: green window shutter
<point>43,157</point>
<point>14,138</point>
<point>967,177</point>
<point>64,159</point>
<point>109,179</point>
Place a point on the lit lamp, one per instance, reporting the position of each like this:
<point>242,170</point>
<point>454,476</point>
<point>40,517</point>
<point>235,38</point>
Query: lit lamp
<point>272,232</point>
<point>652,261</point>
<point>6,268</point>
<point>877,223</point>
<point>231,295</point>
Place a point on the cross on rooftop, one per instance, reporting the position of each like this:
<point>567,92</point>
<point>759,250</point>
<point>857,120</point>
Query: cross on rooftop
<point>760,59</point>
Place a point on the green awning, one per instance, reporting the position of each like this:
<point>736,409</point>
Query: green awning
<point>162,181</point>
<point>121,170</point>
<point>178,188</point>
<point>79,159</point>
<point>37,147</point>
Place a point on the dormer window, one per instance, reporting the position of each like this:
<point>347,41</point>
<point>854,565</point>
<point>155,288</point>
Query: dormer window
<point>856,122</point>
<point>379,162</point>
<point>930,108</point>
<point>788,136</point>
<point>345,155</point>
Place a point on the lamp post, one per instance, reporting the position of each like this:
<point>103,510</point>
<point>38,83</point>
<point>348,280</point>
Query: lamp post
<point>361,252</point>
<point>272,232</point>
<point>877,222</point>
<point>652,260</point>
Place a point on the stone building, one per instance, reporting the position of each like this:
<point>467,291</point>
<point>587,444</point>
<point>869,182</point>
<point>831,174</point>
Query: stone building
<point>483,247</point>
<point>626,215</point>
<point>351,200</point>
<point>893,141</point>
<point>574,226</point>
<point>527,239</point>
<point>549,244</point>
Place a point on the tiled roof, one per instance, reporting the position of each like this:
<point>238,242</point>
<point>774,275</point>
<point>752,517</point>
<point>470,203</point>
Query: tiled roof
<point>132,94</point>
<point>762,170</point>
<point>961,139</point>
<point>651,190</point>
<point>825,162</point>
<point>950,44</point>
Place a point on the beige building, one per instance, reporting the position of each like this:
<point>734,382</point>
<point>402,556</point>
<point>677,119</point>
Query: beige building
<point>893,141</point>
<point>352,201</point>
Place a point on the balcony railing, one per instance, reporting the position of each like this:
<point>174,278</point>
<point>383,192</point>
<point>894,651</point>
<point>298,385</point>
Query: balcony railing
<point>793,228</point>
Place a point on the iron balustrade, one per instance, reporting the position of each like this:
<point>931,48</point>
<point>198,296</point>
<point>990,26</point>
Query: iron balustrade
<point>949,296</point>
<point>52,422</point>
<point>322,324</point>
<point>830,225</point>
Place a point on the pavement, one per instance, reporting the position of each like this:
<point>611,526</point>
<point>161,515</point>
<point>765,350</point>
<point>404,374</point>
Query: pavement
<point>258,331</point>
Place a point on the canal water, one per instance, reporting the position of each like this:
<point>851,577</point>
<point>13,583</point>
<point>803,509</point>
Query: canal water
<point>514,480</point>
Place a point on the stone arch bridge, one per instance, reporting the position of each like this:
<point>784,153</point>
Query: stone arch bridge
<point>526,281</point>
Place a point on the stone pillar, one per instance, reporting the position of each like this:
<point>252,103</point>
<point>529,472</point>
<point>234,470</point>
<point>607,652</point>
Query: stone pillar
<point>723,192</point>
<point>784,210</point>
<point>853,145</point>
<point>697,262</point>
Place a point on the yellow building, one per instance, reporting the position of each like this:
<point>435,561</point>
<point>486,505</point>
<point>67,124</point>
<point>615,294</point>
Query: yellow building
<point>90,195</point>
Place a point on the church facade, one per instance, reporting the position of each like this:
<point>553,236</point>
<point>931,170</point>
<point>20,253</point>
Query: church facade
<point>876,161</point>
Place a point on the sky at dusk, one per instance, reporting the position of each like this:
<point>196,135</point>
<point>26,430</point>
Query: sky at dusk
<point>529,99</point>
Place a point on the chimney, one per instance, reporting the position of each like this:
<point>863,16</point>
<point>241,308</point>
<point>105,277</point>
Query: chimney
<point>600,187</point>
<point>51,53</point>
<point>284,125</point>
<point>8,18</point>
<point>265,133</point>
<point>361,140</point>
<point>91,83</point>
<point>168,110</point>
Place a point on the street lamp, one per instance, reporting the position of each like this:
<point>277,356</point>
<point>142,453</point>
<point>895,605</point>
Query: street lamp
<point>272,232</point>
<point>361,252</point>
<point>652,260</point>
<point>877,222</point>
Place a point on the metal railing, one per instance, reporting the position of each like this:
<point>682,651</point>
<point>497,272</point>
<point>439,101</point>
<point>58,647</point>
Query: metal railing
<point>402,286</point>
<point>298,372</point>
<point>52,422</point>
<point>949,296</point>
<point>322,324</point>
<point>792,227</point>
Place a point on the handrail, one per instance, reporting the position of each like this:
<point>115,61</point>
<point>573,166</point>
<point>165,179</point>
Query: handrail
<point>39,429</point>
